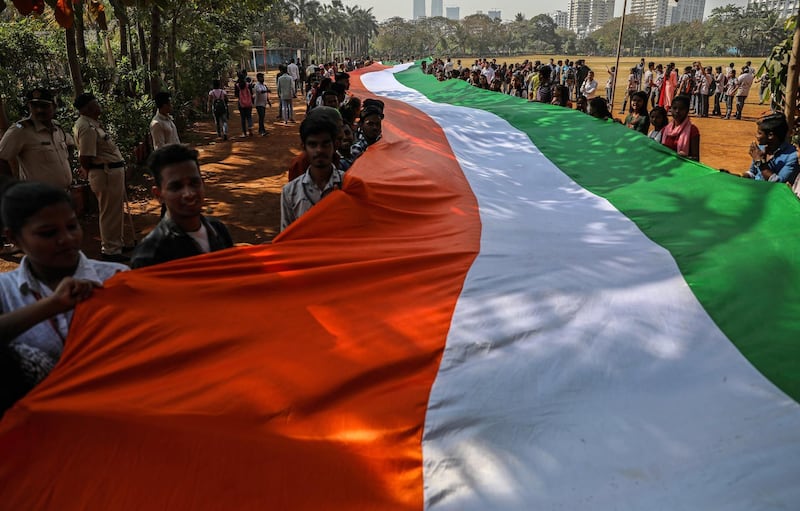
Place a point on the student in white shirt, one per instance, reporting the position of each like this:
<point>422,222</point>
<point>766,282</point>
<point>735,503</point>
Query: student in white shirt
<point>37,297</point>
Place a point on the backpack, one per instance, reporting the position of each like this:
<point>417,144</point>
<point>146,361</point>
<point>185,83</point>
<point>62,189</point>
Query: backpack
<point>220,106</point>
<point>545,93</point>
<point>688,85</point>
<point>245,97</point>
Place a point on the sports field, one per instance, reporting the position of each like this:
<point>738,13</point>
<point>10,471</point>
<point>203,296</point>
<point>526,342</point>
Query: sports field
<point>723,143</point>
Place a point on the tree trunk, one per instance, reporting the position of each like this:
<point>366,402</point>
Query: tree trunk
<point>123,39</point>
<point>134,60</point>
<point>142,51</point>
<point>79,38</point>
<point>4,123</point>
<point>112,62</point>
<point>172,47</point>
<point>791,81</point>
<point>74,63</point>
<point>121,13</point>
<point>155,42</point>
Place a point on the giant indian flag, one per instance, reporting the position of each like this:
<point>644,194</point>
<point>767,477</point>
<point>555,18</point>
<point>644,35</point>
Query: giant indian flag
<point>508,306</point>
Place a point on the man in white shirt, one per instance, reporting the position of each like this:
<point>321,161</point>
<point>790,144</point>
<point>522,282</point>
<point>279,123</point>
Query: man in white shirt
<point>448,67</point>
<point>286,94</point>
<point>260,101</point>
<point>312,73</point>
<point>162,127</point>
<point>589,87</point>
<point>745,82</point>
<point>294,72</point>
<point>488,72</point>
<point>648,81</point>
<point>320,179</point>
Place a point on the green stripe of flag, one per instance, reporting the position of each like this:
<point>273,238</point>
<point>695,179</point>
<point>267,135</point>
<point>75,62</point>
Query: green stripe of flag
<point>736,241</point>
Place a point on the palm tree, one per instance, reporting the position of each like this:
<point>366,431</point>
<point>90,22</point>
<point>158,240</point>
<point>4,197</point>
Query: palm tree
<point>365,26</point>
<point>301,10</point>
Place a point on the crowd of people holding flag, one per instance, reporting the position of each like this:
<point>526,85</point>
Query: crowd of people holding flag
<point>54,275</point>
<point>647,86</point>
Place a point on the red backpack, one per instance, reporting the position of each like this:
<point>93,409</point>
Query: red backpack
<point>245,97</point>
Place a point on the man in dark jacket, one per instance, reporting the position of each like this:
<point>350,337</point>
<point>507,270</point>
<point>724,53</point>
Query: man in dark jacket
<point>184,231</point>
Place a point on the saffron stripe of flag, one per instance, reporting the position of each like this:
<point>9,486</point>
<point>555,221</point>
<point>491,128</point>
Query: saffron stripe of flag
<point>581,372</point>
<point>287,376</point>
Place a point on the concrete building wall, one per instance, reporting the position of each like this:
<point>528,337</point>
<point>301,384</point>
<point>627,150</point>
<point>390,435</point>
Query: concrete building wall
<point>419,9</point>
<point>437,8</point>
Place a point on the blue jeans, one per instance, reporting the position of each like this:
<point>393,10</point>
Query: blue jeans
<point>222,124</point>
<point>739,106</point>
<point>286,110</point>
<point>262,112</point>
<point>246,114</point>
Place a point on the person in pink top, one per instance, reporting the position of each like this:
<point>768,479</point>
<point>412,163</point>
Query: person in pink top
<point>668,87</point>
<point>681,135</point>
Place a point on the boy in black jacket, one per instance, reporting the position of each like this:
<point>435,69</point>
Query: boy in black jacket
<point>184,231</point>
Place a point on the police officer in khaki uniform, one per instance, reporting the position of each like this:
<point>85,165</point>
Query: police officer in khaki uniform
<point>40,146</point>
<point>102,161</point>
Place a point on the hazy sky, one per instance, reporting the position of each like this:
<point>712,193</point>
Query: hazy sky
<point>384,9</point>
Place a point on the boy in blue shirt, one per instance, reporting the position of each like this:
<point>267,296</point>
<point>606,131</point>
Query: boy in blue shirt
<point>774,158</point>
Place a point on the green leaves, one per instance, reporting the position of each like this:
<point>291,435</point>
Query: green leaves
<point>775,68</point>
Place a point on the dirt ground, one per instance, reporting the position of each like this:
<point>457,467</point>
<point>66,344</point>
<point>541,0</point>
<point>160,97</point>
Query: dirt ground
<point>244,175</point>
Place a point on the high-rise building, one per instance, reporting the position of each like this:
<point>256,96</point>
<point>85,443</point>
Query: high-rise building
<point>578,15</point>
<point>453,13</point>
<point>419,9</point>
<point>560,18</point>
<point>495,15</point>
<point>688,11</point>
<point>587,15</point>
<point>436,8</point>
<point>657,12</point>
<point>784,8</point>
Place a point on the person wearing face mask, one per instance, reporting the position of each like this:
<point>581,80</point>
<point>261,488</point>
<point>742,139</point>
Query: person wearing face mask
<point>38,145</point>
<point>37,298</point>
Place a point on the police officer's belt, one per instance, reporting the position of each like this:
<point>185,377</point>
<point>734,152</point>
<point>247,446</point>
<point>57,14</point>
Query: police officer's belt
<point>115,165</point>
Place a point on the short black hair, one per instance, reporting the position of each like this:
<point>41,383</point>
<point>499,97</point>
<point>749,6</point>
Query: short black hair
<point>338,88</point>
<point>642,95</point>
<point>315,126</point>
<point>659,109</point>
<point>82,100</point>
<point>169,154</point>
<point>162,98</point>
<point>24,199</point>
<point>348,114</point>
<point>545,71</point>
<point>599,107</point>
<point>775,124</point>
<point>682,98</point>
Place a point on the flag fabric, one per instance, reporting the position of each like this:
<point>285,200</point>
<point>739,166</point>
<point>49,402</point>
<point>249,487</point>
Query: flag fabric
<point>507,306</point>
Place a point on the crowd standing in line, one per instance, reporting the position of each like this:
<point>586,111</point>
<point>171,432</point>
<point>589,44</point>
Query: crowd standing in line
<point>664,89</point>
<point>37,298</point>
